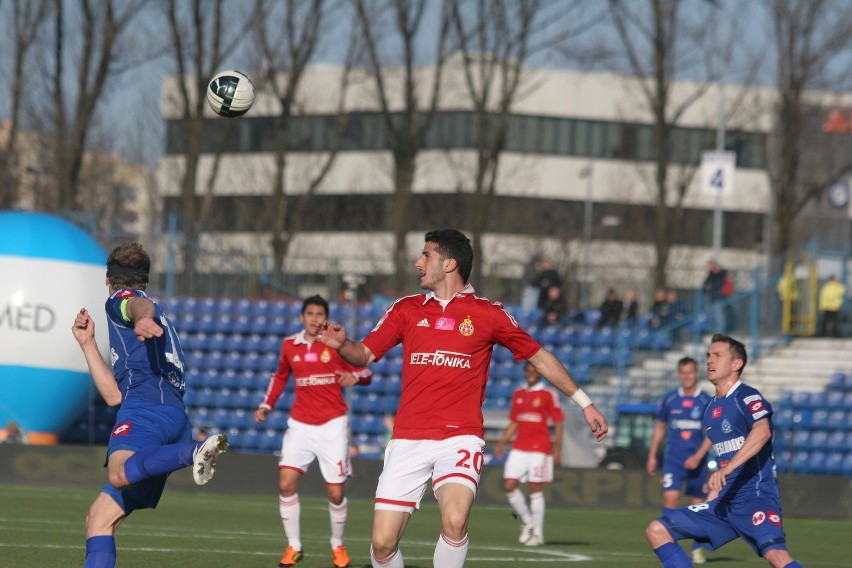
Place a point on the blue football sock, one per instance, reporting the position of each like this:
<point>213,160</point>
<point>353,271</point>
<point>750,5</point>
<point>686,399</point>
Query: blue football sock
<point>671,555</point>
<point>100,552</point>
<point>157,460</point>
<point>794,564</point>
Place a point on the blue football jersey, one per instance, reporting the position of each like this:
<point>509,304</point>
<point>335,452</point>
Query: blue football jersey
<point>151,370</point>
<point>727,422</point>
<point>682,415</point>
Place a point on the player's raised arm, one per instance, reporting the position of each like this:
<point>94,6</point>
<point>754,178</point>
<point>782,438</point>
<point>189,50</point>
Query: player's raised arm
<point>102,375</point>
<point>549,367</point>
<point>353,352</point>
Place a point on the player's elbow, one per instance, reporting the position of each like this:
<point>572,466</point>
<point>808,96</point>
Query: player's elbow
<point>112,399</point>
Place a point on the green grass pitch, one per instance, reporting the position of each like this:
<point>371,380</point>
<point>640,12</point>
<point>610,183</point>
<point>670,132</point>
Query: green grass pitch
<point>43,527</point>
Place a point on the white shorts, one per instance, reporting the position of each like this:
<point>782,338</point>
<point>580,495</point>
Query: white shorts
<point>534,467</point>
<point>327,443</point>
<point>409,464</point>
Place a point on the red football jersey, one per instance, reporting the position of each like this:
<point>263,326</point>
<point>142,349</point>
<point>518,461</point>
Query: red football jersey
<point>319,398</point>
<point>446,358</point>
<point>531,407</point>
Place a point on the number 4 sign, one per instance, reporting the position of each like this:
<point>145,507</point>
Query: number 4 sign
<point>717,172</point>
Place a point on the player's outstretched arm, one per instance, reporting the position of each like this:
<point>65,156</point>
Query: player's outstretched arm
<point>102,375</point>
<point>549,367</point>
<point>353,352</point>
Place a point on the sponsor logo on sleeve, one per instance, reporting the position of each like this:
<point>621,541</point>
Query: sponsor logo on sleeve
<point>122,429</point>
<point>758,517</point>
<point>752,398</point>
<point>774,518</point>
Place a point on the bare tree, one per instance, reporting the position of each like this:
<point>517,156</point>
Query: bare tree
<point>812,45</point>
<point>495,40</point>
<point>202,34</point>
<point>656,52</point>
<point>397,76</point>
<point>288,35</point>
<point>99,50</point>
<point>28,18</point>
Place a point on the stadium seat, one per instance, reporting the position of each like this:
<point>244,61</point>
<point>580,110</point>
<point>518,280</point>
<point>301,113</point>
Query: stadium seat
<point>801,418</point>
<point>250,439</point>
<point>605,337</point>
<point>277,419</point>
<point>260,325</point>
<point>392,384</point>
<point>568,335</point>
<point>820,417</point>
<point>819,400</point>
<point>220,418</point>
<point>836,441</point>
<point>834,463</point>
<point>187,323</point>
<point>586,336</point>
<point>783,461</point>
<point>260,308</point>
<point>784,400</point>
<point>207,306</point>
<point>836,419</point>
<point>279,325</point>
<point>226,306</point>
<point>235,438</point>
<point>801,400</point>
<point>269,363</point>
<point>838,381</point>
<point>565,354</point>
<point>278,308</point>
<point>802,440</point>
<point>642,339</point>
<point>241,324</point>
<point>800,462</point>
<point>819,440</point>
<point>203,398</point>
<point>783,419</point>
<point>243,307</point>
<point>229,379</point>
<point>847,464</point>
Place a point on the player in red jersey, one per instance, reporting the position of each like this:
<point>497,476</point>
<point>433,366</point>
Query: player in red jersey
<point>532,455</point>
<point>447,335</point>
<point>318,427</point>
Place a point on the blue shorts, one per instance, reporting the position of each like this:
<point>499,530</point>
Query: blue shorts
<point>673,478</point>
<point>757,521</point>
<point>142,425</point>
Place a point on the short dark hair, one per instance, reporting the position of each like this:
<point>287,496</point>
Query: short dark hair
<point>453,244</point>
<point>128,266</point>
<point>315,300</point>
<point>737,347</point>
<point>687,361</point>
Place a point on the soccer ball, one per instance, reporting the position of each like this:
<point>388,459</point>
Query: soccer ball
<point>230,93</point>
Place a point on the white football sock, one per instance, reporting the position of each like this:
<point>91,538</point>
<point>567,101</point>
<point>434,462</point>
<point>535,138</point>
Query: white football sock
<point>337,516</point>
<point>519,504</point>
<point>537,507</point>
<point>291,510</point>
<point>449,553</point>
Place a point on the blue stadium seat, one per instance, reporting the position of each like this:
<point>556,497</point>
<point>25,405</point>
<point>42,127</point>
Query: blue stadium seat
<point>624,336</point>
<point>816,463</point>
<point>277,419</point>
<point>278,308</point>
<point>196,360</point>
<point>783,419</point>
<point>642,339</point>
<point>271,344</point>
<point>784,400</point>
<point>220,418</point>
<point>819,440</point>
<point>835,419</point>
<point>836,441</point>
<point>582,373</point>
<point>661,342</point>
<point>241,324</point>
<point>230,379</point>
<point>235,438</point>
<point>501,354</point>
<point>392,384</point>
<point>605,337</point>
<point>390,403</point>
<point>204,398</point>
<point>593,316</point>
<point>847,464</point>
<point>847,400</point>
<point>604,356</point>
<point>801,418</point>
<point>226,306</point>
<point>834,463</point>
<point>368,424</point>
<point>253,343</point>
<point>820,417</point>
<point>800,461</point>
<point>565,354</point>
<point>835,400</point>
<point>623,356</point>
<point>250,439</point>
<point>801,400</point>
<point>260,308</point>
<point>187,323</point>
<point>583,356</point>
<point>549,334</point>
<point>243,307</point>
<point>223,323</point>
<point>241,418</point>
<point>279,325</point>
<point>269,362</point>
<point>233,361</point>
<point>783,460</point>
<point>586,336</point>
<point>819,400</point>
<point>207,306</point>
<point>838,381</point>
<point>568,335</point>
<point>251,361</point>
<point>260,325</point>
<point>783,439</point>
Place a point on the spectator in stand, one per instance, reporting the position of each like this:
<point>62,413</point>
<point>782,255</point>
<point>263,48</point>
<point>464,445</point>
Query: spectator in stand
<point>630,307</point>
<point>610,309</point>
<point>830,301</point>
<point>659,309</point>
<point>554,308</point>
<point>713,286</point>
<point>530,291</point>
<point>547,278</point>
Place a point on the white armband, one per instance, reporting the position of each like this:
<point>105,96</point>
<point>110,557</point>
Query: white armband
<point>581,398</point>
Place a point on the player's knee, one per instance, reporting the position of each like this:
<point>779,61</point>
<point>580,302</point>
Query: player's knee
<point>287,487</point>
<point>335,494</point>
<point>383,546</point>
<point>455,525</point>
<point>657,534</point>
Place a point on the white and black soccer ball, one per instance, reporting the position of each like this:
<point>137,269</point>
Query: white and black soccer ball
<point>230,93</point>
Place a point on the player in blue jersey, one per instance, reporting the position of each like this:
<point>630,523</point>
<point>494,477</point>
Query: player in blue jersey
<point>743,500</point>
<point>152,435</point>
<point>679,422</point>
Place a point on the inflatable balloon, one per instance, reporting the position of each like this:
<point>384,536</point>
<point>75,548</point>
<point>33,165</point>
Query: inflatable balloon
<point>50,269</point>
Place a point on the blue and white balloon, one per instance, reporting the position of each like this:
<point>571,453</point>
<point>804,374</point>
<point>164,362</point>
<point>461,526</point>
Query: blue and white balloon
<point>50,269</point>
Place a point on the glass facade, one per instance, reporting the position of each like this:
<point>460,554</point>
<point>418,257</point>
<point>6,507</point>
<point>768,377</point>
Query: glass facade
<point>453,130</point>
